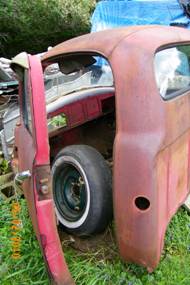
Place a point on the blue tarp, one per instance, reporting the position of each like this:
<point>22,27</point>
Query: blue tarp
<point>117,13</point>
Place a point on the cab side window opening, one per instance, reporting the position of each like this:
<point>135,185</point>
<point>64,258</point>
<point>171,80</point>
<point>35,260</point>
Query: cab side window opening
<point>172,71</point>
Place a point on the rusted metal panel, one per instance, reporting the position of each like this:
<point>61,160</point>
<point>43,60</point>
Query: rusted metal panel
<point>149,143</point>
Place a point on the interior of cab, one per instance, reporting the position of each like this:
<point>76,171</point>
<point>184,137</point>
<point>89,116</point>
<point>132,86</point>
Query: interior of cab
<point>80,100</point>
<point>80,104</point>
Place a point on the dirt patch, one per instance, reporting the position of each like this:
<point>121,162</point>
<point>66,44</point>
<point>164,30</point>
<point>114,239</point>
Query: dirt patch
<point>102,245</point>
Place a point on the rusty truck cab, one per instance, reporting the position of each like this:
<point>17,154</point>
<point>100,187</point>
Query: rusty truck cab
<point>150,104</point>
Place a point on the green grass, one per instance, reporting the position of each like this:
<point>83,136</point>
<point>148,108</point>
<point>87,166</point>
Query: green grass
<point>90,268</point>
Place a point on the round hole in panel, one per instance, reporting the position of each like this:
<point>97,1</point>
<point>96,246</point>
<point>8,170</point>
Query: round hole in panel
<point>142,203</point>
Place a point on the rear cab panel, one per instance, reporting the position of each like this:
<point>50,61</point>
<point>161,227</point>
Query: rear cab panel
<point>151,149</point>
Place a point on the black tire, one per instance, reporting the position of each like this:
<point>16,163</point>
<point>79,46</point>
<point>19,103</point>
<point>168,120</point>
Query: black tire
<point>94,195</point>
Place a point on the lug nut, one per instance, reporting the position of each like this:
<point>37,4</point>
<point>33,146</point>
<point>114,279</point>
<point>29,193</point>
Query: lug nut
<point>77,208</point>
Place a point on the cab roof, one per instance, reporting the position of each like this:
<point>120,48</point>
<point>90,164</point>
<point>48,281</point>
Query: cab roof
<point>104,42</point>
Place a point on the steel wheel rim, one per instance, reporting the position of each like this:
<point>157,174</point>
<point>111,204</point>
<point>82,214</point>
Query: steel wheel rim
<point>71,204</point>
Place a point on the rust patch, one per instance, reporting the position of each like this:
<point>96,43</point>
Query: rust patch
<point>43,182</point>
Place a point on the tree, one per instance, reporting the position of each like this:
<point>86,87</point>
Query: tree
<point>34,25</point>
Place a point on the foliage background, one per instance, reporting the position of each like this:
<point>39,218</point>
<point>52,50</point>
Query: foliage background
<point>34,25</point>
